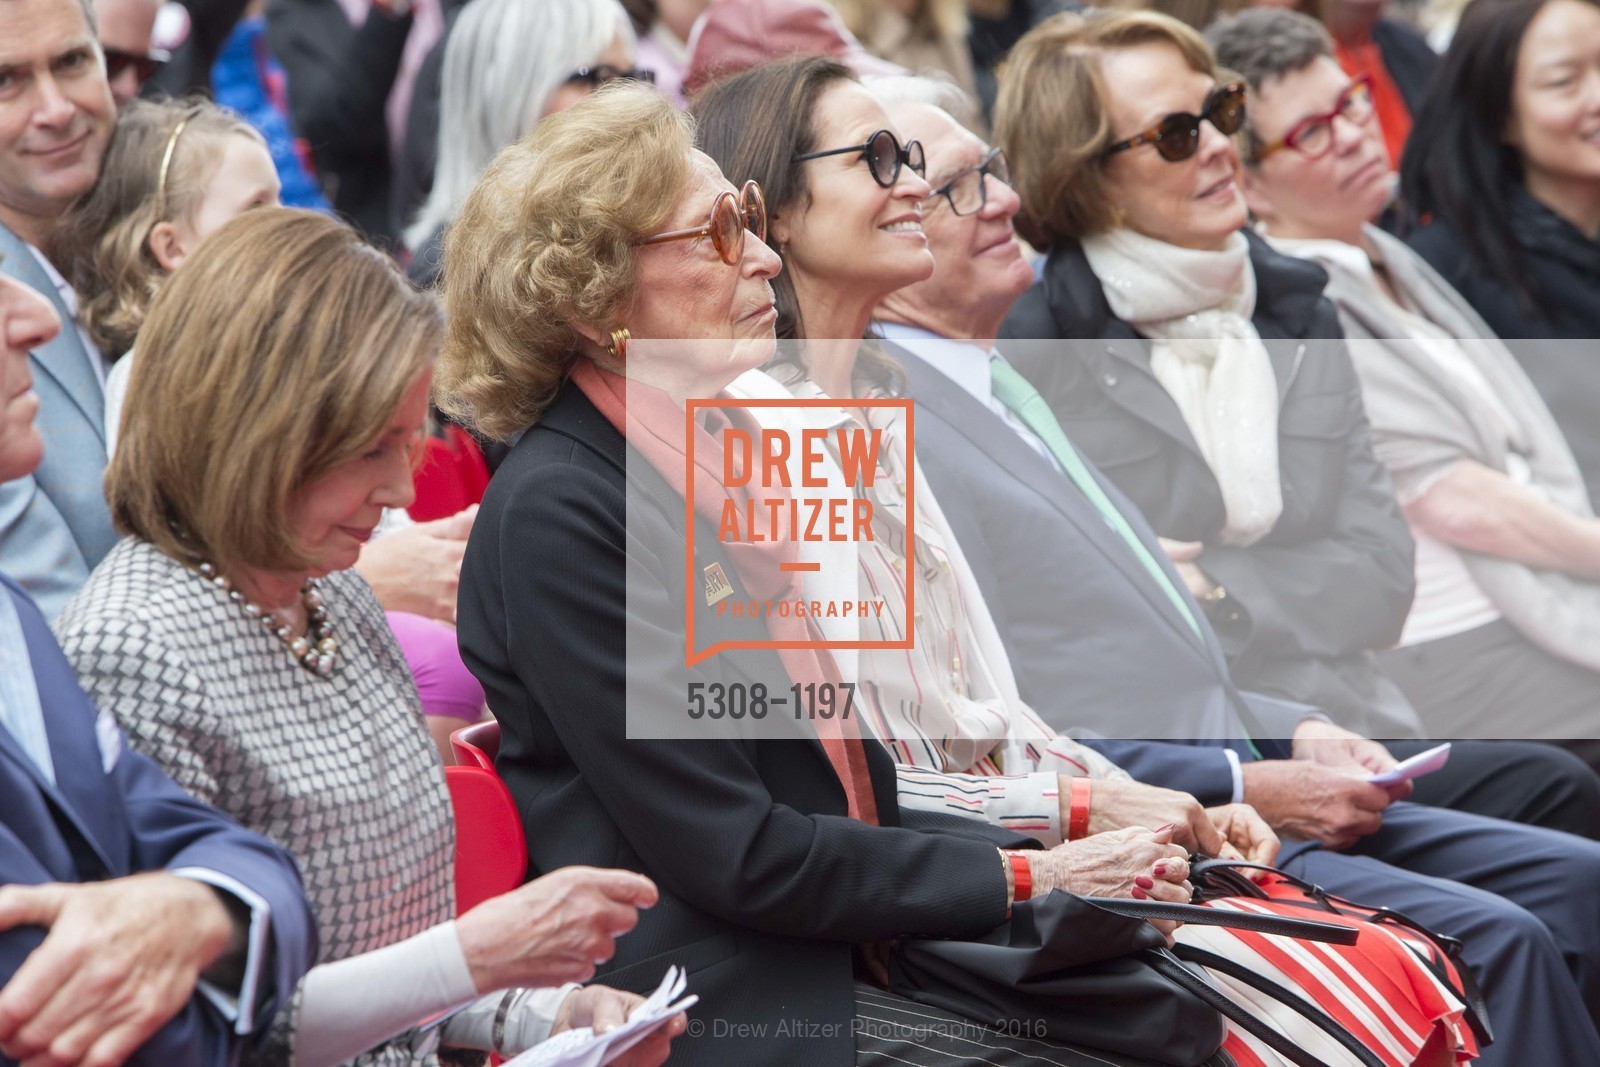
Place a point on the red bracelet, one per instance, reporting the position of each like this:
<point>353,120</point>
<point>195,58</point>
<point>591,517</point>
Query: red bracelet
<point>1021,876</point>
<point>1078,816</point>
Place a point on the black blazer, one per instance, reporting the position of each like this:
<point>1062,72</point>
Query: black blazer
<point>1333,580</point>
<point>765,883</point>
<point>1561,266</point>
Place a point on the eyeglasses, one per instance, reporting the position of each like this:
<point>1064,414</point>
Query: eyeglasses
<point>605,74</point>
<point>731,216</point>
<point>1177,137</point>
<point>884,157</point>
<point>967,192</point>
<point>1313,136</point>
<point>144,66</point>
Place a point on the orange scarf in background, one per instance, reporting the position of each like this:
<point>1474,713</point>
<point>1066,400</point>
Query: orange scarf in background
<point>654,425</point>
<point>1394,116</point>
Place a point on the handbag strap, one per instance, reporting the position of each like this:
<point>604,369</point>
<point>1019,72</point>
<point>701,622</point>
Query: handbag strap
<point>1463,982</point>
<point>1327,1023</point>
<point>1304,929</point>
<point>1172,968</point>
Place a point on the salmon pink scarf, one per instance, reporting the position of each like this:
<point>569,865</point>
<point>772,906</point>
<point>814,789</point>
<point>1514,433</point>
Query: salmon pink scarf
<point>654,425</point>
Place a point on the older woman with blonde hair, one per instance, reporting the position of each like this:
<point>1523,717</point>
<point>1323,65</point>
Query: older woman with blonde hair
<point>603,275</point>
<point>285,382</point>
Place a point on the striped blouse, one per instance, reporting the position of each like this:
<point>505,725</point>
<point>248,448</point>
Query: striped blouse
<point>948,707</point>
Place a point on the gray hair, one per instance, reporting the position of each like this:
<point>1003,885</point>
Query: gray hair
<point>503,61</point>
<point>1264,43</point>
<point>939,92</point>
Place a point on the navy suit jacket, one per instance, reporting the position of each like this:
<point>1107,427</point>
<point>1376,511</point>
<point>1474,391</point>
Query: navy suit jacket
<point>1095,643</point>
<point>95,824</point>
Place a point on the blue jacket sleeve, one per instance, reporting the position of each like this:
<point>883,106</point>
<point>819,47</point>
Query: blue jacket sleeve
<point>155,826</point>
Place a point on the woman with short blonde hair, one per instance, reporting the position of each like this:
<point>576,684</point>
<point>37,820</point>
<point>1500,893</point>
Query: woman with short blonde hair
<point>1051,116</point>
<point>1206,376</point>
<point>284,389</point>
<point>280,394</point>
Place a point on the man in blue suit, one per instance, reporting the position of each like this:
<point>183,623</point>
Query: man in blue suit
<point>1101,631</point>
<point>136,923</point>
<point>54,127</point>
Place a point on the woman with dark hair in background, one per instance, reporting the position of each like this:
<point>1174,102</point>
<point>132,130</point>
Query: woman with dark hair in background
<point>1505,171</point>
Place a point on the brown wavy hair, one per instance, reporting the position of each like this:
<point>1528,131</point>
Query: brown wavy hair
<point>105,238</point>
<point>277,354</point>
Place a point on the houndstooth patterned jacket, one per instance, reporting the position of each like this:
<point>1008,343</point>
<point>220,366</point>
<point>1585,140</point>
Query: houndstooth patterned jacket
<point>340,771</point>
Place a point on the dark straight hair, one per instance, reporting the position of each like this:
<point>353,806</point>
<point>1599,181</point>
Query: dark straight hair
<point>1457,165</point>
<point>753,125</point>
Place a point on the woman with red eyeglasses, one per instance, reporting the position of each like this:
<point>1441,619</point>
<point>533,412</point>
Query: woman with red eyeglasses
<point>1508,547</point>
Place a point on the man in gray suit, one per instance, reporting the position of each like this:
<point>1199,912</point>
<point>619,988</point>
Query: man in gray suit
<point>56,117</point>
<point>1101,630</point>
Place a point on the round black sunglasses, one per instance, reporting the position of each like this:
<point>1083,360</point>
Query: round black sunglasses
<point>884,156</point>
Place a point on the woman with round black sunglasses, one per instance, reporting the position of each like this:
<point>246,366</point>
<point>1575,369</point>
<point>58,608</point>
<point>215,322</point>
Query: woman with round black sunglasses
<point>844,193</point>
<point>884,157</point>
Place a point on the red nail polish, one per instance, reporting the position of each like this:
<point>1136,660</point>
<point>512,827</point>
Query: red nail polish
<point>1161,870</point>
<point>1164,829</point>
<point>1144,883</point>
<point>1137,893</point>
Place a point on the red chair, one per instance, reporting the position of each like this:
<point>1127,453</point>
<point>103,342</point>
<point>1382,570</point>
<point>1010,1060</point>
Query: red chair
<point>491,853</point>
<point>478,744</point>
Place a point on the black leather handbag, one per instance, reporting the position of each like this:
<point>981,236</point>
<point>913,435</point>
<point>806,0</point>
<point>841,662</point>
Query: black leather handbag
<point>1091,972</point>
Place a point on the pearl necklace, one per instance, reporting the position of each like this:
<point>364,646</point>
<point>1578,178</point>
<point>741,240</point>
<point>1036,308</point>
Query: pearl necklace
<point>317,651</point>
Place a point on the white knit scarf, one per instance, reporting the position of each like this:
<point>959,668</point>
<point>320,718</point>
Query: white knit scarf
<point>1195,306</point>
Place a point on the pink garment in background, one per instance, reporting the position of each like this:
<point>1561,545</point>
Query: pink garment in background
<point>669,58</point>
<point>427,26</point>
<point>446,686</point>
<point>735,35</point>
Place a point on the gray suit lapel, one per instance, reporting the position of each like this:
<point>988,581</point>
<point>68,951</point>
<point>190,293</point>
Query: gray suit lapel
<point>1012,458</point>
<point>64,359</point>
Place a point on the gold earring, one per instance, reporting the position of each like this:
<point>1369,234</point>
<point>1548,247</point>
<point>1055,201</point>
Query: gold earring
<point>618,348</point>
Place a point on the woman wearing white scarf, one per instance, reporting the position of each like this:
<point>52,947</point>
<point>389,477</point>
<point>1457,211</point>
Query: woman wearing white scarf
<point>1206,375</point>
<point>1195,305</point>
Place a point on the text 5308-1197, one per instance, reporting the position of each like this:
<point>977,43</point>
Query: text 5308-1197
<point>736,700</point>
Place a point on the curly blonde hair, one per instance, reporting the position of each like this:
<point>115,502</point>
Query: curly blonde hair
<point>548,237</point>
<point>105,238</point>
<point>1050,116</point>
